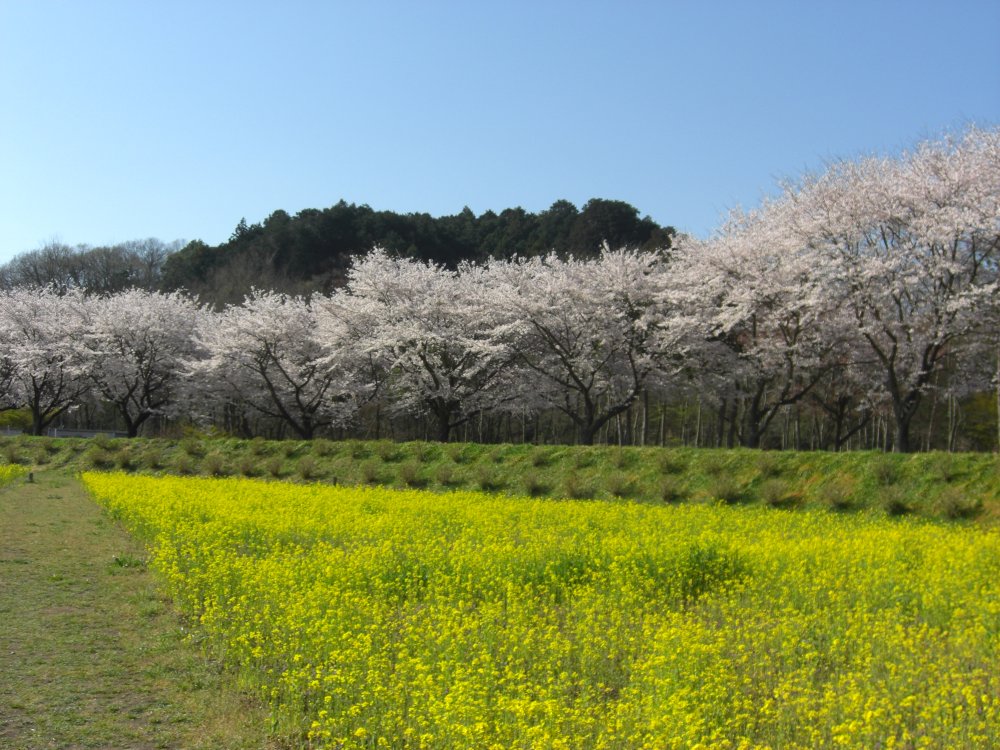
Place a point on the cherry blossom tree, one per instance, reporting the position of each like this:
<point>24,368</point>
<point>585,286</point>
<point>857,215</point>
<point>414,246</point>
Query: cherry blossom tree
<point>440,349</point>
<point>592,334</point>
<point>266,355</point>
<point>42,333</point>
<point>136,345</point>
<point>914,243</point>
<point>772,330</point>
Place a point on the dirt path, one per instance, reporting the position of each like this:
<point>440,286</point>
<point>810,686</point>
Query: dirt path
<point>91,656</point>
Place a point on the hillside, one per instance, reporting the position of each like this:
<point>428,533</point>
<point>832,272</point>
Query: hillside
<point>943,486</point>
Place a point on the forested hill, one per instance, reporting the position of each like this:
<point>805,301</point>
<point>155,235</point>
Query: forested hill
<point>312,249</point>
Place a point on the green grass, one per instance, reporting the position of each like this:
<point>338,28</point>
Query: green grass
<point>91,654</point>
<point>961,487</point>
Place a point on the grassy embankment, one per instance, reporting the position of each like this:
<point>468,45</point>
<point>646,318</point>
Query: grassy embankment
<point>935,485</point>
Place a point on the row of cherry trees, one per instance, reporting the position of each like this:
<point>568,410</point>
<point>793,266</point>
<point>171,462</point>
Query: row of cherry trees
<point>861,289</point>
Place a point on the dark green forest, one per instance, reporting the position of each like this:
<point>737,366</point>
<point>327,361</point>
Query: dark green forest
<point>312,250</point>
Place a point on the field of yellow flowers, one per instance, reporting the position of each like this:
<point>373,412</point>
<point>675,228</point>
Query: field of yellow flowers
<point>372,618</point>
<point>8,473</point>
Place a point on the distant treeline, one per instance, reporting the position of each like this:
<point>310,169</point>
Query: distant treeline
<point>312,250</point>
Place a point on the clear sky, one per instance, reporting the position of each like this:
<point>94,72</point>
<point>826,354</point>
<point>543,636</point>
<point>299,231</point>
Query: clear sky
<point>174,119</point>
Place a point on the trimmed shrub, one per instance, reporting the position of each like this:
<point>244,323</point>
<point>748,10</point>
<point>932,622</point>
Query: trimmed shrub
<point>215,465</point>
<point>534,485</point>
<point>671,463</point>
<point>370,473</point>
<point>184,465</point>
<point>489,480</point>
<point>445,476</point>
<point>193,447</point>
<point>541,457</point>
<point>671,490</point>
<point>389,452</point>
<point>409,474</point>
<point>896,502</point>
<point>779,494</point>
<point>885,471</point>
<point>99,458</point>
<point>324,448</point>
<point>249,466</point>
<point>275,467</point>
<point>956,504</point>
<point>728,490</point>
<point>308,468</point>
<point>576,488</point>
<point>839,493</point>
<point>621,485</point>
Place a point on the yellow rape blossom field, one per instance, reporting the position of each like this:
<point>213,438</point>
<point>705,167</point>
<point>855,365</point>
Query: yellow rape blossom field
<point>371,618</point>
<point>9,472</point>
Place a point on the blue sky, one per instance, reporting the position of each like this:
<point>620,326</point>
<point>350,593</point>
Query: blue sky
<point>175,119</point>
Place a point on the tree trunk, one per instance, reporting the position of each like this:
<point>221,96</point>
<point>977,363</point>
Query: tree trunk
<point>998,399</point>
<point>443,425</point>
<point>902,442</point>
<point>586,434</point>
<point>37,421</point>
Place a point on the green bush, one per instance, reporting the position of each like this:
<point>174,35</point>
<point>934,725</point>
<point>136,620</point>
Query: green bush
<point>308,468</point>
<point>260,447</point>
<point>102,441</point>
<point>127,459</point>
<point>885,471</point>
<point>621,485</point>
<point>458,453</point>
<point>671,463</point>
<point>713,464</point>
<point>409,474</point>
<point>541,457</point>
<point>11,454</point>
<point>389,452</point>
<point>152,457</point>
<point>576,488</point>
<point>275,467</point>
<point>728,490</point>
<point>184,465</point>
<point>193,447</point>
<point>99,458</point>
<point>324,448</point>
<point>445,476</point>
<point>895,501</point>
<point>426,452</point>
<point>215,465</point>
<point>249,466</point>
<point>769,466</point>
<point>956,504</point>
<point>839,493</point>
<point>779,494</point>
<point>946,468</point>
<point>534,485</point>
<point>489,480</point>
<point>671,490</point>
<point>370,472</point>
<point>622,458</point>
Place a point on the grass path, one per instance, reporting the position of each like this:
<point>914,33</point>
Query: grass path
<point>91,656</point>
